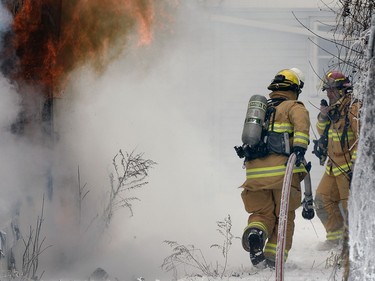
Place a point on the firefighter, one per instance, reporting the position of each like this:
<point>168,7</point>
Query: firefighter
<point>287,130</point>
<point>338,123</point>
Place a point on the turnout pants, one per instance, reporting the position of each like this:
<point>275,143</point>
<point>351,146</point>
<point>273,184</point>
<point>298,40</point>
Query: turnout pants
<point>264,208</point>
<point>331,202</point>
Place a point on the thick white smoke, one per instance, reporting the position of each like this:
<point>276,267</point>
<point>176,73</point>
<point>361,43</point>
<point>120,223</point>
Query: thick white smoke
<point>162,107</point>
<point>154,100</point>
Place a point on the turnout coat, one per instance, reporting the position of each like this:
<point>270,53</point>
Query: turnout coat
<point>292,117</point>
<point>343,123</point>
<point>332,194</point>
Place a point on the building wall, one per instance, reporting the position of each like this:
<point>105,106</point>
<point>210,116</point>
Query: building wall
<point>249,46</point>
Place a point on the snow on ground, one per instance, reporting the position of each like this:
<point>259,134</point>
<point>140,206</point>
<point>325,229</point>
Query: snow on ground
<point>305,263</point>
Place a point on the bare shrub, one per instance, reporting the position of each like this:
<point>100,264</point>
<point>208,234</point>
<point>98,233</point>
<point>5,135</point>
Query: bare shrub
<point>130,172</point>
<point>34,247</point>
<point>225,230</point>
<point>192,259</point>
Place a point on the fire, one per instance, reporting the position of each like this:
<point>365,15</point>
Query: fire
<point>51,38</point>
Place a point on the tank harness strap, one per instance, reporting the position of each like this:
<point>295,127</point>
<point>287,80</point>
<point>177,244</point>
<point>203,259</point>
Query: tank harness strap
<point>271,110</point>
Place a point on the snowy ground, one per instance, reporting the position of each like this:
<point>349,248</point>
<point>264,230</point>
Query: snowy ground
<point>305,263</point>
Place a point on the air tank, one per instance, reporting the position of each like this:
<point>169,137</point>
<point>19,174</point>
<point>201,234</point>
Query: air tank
<point>255,115</point>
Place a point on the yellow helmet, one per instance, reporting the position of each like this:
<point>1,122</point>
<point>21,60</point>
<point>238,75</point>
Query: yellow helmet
<point>286,80</point>
<point>300,75</point>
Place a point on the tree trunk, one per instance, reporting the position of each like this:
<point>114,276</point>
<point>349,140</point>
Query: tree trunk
<point>362,198</point>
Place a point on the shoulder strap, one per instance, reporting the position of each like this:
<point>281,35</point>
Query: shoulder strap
<point>271,110</point>
<point>345,130</point>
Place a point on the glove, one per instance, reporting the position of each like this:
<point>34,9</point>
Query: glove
<point>300,154</point>
<point>320,149</point>
<point>240,151</point>
<point>308,207</point>
<point>350,173</point>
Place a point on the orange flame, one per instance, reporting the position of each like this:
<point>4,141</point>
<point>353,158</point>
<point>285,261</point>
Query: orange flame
<point>51,38</point>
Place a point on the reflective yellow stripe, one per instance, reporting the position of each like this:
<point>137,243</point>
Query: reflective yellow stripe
<point>322,125</point>
<point>258,225</point>
<point>336,136</point>
<point>301,138</point>
<point>336,79</point>
<point>340,169</point>
<point>354,155</point>
<point>271,249</point>
<point>271,171</point>
<point>281,127</point>
<point>335,235</point>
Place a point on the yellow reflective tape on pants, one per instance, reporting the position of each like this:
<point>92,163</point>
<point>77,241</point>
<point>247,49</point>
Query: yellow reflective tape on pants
<point>271,250</point>
<point>258,225</point>
<point>335,235</point>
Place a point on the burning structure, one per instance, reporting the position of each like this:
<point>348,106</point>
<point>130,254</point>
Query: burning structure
<point>47,41</point>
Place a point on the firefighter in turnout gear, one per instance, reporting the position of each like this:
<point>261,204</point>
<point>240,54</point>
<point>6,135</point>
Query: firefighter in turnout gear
<point>338,124</point>
<point>286,131</point>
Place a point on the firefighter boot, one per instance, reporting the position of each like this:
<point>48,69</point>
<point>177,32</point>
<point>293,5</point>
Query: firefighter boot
<point>270,264</point>
<point>256,245</point>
